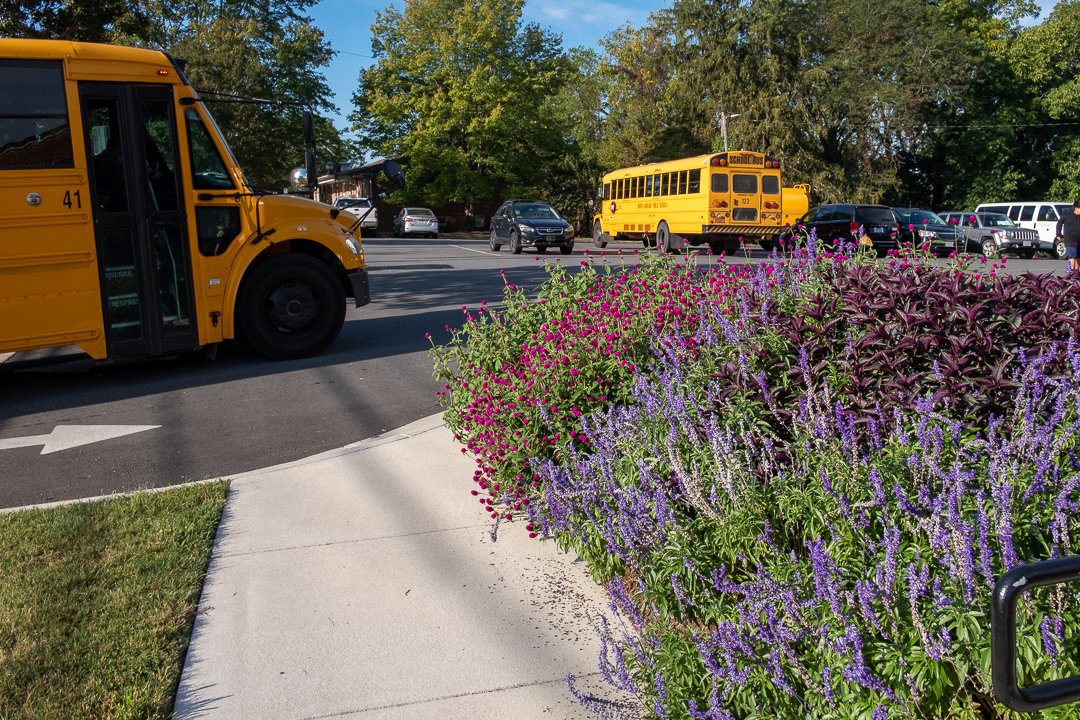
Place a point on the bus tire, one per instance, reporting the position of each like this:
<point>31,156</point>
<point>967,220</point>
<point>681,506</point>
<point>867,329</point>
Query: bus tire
<point>663,238</point>
<point>767,244</point>
<point>515,244</point>
<point>598,236</point>
<point>290,306</point>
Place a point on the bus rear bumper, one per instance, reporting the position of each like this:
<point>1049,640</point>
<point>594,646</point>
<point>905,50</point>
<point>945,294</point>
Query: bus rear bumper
<point>361,290</point>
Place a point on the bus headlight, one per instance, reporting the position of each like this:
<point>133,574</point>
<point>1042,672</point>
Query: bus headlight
<point>354,247</point>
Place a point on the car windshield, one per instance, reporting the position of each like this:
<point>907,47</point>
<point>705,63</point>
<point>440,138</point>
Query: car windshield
<point>419,211</point>
<point>537,212</point>
<point>920,217</point>
<point>996,220</point>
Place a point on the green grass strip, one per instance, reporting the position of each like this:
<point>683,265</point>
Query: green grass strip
<point>97,602</point>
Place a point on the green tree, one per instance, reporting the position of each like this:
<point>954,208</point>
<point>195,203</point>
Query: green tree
<point>88,20</point>
<point>463,96</point>
<point>1045,59</point>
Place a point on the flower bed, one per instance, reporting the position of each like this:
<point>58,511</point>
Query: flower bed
<point>798,480</point>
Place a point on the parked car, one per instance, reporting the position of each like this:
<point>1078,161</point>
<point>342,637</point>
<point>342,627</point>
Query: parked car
<point>416,220</point>
<point>530,223</point>
<point>1039,216</point>
<point>842,221</point>
<point>923,227</point>
<point>361,208</point>
<point>992,233</point>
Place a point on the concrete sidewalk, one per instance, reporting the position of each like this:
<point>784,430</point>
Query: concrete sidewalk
<point>363,583</point>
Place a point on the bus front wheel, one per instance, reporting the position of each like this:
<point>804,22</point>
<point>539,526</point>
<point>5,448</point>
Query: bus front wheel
<point>291,306</point>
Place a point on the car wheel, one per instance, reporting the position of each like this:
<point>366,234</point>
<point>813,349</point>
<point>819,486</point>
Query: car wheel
<point>989,249</point>
<point>493,242</point>
<point>515,244</point>
<point>566,249</point>
<point>598,239</point>
<point>290,306</point>
<point>1059,249</point>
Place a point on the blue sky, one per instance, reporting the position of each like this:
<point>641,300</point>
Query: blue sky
<point>347,25</point>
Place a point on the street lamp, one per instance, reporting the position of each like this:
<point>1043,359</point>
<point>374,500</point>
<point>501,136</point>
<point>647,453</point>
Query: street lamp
<point>724,117</point>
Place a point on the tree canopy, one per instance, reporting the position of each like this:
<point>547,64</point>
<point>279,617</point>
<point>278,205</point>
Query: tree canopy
<point>465,97</point>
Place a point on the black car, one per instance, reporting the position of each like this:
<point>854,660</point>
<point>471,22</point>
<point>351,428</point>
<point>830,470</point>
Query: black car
<point>842,221</point>
<point>530,223</point>
<point>924,227</point>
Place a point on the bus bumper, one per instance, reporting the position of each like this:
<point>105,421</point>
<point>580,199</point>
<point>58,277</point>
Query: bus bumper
<point>361,291</point>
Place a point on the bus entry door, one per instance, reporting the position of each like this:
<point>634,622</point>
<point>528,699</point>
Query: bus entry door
<point>143,257</point>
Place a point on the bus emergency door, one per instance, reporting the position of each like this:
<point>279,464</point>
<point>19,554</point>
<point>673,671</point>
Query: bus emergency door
<point>139,226</point>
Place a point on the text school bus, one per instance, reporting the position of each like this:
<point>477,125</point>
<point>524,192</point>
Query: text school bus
<point>127,228</point>
<point>721,200</point>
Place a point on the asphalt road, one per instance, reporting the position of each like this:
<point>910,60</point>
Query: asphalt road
<point>213,418</point>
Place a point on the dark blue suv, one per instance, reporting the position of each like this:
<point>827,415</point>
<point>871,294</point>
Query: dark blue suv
<point>530,223</point>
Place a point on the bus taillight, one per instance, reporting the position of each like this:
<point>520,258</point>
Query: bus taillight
<point>719,161</point>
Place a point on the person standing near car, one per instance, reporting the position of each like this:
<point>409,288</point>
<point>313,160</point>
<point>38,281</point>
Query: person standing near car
<point>1068,229</point>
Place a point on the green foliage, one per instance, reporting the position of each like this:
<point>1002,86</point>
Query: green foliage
<point>464,95</point>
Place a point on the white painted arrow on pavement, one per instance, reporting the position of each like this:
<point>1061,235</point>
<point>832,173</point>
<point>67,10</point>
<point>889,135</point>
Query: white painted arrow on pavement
<point>64,437</point>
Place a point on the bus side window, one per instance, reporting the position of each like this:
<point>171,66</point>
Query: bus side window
<point>34,129</point>
<point>664,183</point>
<point>682,182</point>
<point>607,191</point>
<point>695,182</point>
<point>217,228</point>
<point>618,189</point>
<point>648,185</point>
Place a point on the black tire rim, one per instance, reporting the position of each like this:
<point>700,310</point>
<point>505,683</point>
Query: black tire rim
<point>292,307</point>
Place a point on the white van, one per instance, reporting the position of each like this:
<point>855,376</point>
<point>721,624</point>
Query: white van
<point>1041,216</point>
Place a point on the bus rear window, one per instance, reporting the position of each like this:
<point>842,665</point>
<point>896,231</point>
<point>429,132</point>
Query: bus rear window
<point>770,185</point>
<point>744,183</point>
<point>719,183</point>
<point>34,129</point>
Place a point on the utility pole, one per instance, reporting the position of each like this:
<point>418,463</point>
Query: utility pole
<point>723,118</point>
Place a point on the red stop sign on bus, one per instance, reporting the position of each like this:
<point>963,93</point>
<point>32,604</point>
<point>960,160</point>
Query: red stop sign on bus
<point>612,206</point>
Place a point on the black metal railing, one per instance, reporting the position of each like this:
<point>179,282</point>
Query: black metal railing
<point>1010,587</point>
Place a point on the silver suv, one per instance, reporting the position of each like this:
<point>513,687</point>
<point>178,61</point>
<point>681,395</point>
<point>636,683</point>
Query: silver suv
<point>360,207</point>
<point>992,233</point>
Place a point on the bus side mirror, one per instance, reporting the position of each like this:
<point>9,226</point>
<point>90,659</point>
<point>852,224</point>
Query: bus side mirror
<point>309,130</point>
<point>1003,636</point>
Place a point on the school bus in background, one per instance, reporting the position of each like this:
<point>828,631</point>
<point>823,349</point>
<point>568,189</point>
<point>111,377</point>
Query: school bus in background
<point>722,200</point>
<point>127,228</point>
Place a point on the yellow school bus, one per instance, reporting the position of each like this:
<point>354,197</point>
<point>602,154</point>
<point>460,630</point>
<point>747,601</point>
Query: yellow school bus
<point>722,200</point>
<point>127,228</point>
